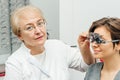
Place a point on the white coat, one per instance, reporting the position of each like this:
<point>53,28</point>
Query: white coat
<point>21,65</point>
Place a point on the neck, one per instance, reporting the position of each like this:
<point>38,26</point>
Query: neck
<point>112,63</point>
<point>34,50</point>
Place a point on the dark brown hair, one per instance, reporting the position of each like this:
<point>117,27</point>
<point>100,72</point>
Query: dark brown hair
<point>111,24</point>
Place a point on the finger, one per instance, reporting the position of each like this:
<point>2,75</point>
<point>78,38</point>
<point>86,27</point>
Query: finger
<point>86,43</point>
<point>82,37</point>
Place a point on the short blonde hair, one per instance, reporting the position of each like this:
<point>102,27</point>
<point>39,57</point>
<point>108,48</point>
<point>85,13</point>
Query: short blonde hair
<point>14,19</point>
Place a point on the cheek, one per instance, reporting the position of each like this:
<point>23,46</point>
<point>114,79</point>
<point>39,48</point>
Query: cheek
<point>44,30</point>
<point>26,36</point>
<point>108,49</point>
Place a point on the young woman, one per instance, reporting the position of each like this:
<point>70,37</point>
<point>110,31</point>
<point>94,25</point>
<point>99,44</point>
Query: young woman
<point>104,35</point>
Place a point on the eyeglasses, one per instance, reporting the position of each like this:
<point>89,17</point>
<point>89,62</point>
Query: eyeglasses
<point>94,37</point>
<point>31,27</point>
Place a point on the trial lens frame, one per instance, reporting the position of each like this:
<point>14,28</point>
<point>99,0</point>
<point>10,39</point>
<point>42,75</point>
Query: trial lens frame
<point>95,37</point>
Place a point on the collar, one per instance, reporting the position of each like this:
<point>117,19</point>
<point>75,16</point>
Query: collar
<point>33,61</point>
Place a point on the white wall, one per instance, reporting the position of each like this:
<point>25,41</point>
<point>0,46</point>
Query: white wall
<point>77,15</point>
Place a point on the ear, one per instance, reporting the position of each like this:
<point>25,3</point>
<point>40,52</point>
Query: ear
<point>118,46</point>
<point>20,37</point>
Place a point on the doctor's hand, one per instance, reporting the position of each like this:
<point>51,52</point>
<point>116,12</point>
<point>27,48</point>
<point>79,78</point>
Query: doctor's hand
<point>84,46</point>
<point>83,42</point>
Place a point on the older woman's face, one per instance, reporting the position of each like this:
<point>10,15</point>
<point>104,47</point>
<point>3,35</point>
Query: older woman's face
<point>32,29</point>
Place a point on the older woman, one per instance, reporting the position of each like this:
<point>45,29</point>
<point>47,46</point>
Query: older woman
<point>38,58</point>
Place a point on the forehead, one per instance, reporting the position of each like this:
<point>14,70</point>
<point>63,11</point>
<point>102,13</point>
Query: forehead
<point>29,16</point>
<point>30,13</point>
<point>103,31</point>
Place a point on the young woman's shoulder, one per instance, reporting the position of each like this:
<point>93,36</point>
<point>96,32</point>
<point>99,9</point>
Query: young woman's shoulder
<point>93,72</point>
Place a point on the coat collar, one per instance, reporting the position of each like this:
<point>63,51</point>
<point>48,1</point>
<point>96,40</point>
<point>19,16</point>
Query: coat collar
<point>32,60</point>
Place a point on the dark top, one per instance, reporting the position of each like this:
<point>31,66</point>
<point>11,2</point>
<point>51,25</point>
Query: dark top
<point>94,71</point>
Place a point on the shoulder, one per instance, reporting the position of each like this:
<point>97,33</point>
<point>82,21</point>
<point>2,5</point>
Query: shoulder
<point>13,60</point>
<point>117,77</point>
<point>94,71</point>
<point>95,67</point>
<point>14,55</point>
<point>17,56</point>
<point>56,47</point>
<point>54,42</point>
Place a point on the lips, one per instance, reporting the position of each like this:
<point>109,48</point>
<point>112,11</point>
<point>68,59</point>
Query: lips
<point>97,51</point>
<point>39,38</point>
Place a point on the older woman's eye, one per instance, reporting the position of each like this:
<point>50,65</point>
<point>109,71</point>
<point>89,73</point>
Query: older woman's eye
<point>41,24</point>
<point>29,28</point>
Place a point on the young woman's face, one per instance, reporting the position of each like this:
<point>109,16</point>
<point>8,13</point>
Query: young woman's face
<point>32,29</point>
<point>103,50</point>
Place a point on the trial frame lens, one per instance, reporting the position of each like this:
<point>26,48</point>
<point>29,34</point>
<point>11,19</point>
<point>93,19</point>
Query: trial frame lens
<point>95,37</point>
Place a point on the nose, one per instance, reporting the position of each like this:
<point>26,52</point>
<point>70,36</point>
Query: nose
<point>94,44</point>
<point>37,30</point>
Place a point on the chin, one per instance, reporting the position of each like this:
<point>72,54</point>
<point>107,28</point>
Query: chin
<point>40,43</point>
<point>96,56</point>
